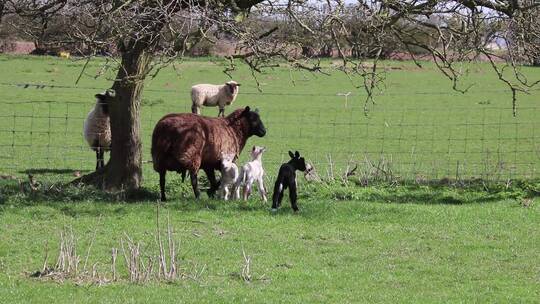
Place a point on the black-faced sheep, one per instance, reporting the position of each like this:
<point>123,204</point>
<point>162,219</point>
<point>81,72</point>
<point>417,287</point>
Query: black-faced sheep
<point>212,95</point>
<point>97,127</point>
<point>190,142</point>
<point>287,179</point>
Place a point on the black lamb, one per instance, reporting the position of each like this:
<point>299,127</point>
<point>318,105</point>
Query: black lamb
<point>287,179</point>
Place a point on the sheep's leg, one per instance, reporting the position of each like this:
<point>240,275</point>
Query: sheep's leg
<point>236,191</point>
<point>262,191</point>
<point>194,184</point>
<point>214,184</point>
<point>226,193</point>
<point>162,185</point>
<point>292,196</point>
<point>247,189</point>
<point>99,158</point>
<point>277,196</point>
<point>221,112</point>
<point>102,157</point>
<point>195,110</point>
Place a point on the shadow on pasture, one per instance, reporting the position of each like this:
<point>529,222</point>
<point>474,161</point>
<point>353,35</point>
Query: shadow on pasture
<point>435,193</point>
<point>48,171</point>
<point>22,192</point>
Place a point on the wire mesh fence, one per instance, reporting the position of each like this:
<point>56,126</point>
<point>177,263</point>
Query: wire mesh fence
<point>393,141</point>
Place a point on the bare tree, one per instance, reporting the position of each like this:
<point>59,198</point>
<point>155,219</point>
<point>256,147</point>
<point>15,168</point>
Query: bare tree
<point>149,34</point>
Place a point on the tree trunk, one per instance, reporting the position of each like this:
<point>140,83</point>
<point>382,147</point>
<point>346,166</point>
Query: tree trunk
<point>124,169</point>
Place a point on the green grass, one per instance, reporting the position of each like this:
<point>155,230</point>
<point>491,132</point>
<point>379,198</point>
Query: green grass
<point>419,125</point>
<point>348,244</point>
<point>382,243</point>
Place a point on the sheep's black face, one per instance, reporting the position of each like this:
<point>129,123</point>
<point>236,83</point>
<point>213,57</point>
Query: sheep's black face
<point>301,164</point>
<point>298,162</point>
<point>256,126</point>
<point>103,101</point>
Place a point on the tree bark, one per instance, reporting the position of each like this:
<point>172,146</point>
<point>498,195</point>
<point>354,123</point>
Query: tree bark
<point>124,169</point>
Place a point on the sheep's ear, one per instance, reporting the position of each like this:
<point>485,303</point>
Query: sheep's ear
<point>296,154</point>
<point>100,96</point>
<point>257,110</point>
<point>246,111</point>
<point>237,84</point>
<point>253,149</point>
<point>291,155</point>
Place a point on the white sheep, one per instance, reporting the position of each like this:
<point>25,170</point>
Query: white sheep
<point>212,95</point>
<point>229,176</point>
<point>97,127</point>
<point>253,171</point>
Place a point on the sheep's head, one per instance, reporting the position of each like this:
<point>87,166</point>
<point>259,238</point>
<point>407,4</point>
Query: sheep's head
<point>233,87</point>
<point>103,99</point>
<point>257,151</point>
<point>298,162</point>
<point>256,126</point>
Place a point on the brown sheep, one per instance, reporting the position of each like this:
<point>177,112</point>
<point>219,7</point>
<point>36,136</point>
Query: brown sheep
<point>189,142</point>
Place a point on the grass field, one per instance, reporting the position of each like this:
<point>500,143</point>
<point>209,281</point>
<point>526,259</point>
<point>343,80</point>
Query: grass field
<point>419,126</point>
<point>388,242</point>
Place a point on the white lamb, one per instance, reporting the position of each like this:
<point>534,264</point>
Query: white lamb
<point>212,95</point>
<point>229,176</point>
<point>253,171</point>
<point>97,127</point>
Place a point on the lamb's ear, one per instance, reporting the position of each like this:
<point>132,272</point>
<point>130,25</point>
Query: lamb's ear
<point>291,155</point>
<point>100,96</point>
<point>256,110</point>
<point>253,149</point>
<point>296,154</point>
<point>246,111</point>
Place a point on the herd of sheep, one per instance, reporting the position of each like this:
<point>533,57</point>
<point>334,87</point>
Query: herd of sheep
<point>188,142</point>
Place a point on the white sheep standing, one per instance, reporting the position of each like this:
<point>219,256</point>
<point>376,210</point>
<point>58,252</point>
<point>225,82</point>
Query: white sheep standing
<point>212,95</point>
<point>97,127</point>
<point>253,171</point>
<point>229,176</point>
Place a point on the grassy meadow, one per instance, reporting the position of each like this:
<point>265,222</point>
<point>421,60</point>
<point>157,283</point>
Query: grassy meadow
<point>350,243</point>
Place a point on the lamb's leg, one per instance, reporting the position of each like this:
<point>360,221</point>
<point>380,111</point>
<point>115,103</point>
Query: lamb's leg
<point>162,185</point>
<point>194,184</point>
<point>293,197</point>
<point>236,191</point>
<point>221,112</point>
<point>247,189</point>
<point>226,193</point>
<point>281,193</point>
<point>278,194</point>
<point>262,191</point>
<point>214,184</point>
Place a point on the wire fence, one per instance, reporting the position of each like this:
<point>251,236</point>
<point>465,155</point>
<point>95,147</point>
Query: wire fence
<point>408,142</point>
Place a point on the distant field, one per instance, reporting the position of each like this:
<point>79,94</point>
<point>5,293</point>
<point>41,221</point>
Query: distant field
<point>381,243</point>
<point>420,127</point>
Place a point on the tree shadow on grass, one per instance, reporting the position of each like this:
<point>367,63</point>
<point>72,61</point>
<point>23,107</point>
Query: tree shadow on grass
<point>433,193</point>
<point>49,171</point>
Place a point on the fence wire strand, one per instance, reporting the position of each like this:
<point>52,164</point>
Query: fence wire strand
<point>410,142</point>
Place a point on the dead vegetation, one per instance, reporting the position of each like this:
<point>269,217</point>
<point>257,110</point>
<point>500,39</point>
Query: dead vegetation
<point>141,263</point>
